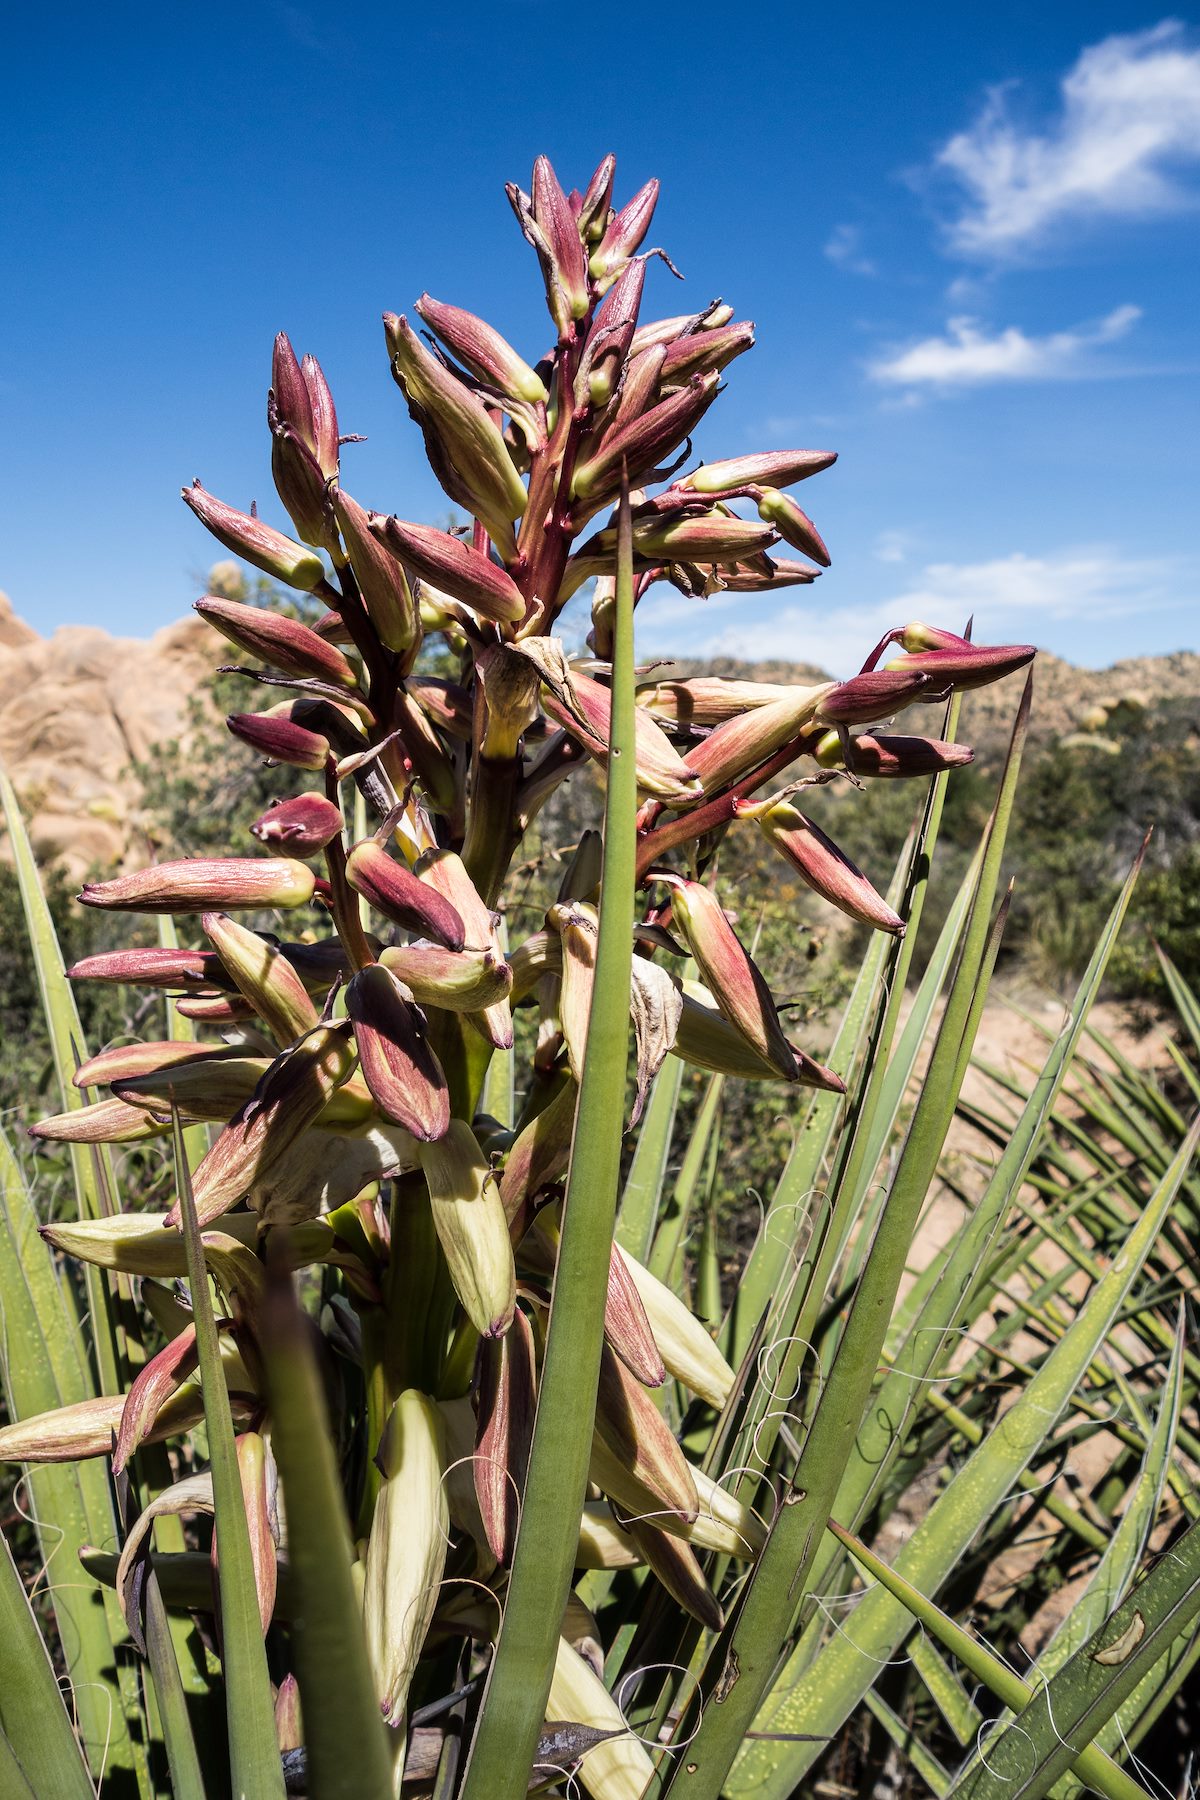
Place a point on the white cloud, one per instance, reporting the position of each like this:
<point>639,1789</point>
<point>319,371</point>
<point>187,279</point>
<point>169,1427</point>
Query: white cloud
<point>845,249</point>
<point>1128,124</point>
<point>1014,599</point>
<point>892,547</point>
<point>969,355</point>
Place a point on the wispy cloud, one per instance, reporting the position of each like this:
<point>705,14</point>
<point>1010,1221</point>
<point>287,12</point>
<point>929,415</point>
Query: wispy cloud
<point>1014,598</point>
<point>969,355</point>
<point>845,249</point>
<point>1127,126</point>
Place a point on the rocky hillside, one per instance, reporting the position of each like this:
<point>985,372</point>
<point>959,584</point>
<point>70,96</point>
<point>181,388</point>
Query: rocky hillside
<point>79,707</point>
<point>76,709</point>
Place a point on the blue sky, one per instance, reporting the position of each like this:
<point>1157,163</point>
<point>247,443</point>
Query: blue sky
<point>969,238</point>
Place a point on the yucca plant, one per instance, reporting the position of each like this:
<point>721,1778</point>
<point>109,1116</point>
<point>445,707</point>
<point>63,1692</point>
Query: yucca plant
<point>508,1484</point>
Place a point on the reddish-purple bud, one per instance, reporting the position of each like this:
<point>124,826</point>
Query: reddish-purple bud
<point>482,350</point>
<point>382,582</point>
<point>624,235</point>
<point>129,1062</point>
<point>705,352</point>
<point>730,972</point>
<point>397,1060</point>
<point>973,666</point>
<point>871,696</point>
<point>596,200</point>
<point>200,884</point>
<point>280,739</point>
<point>465,446</point>
<point>301,825</point>
<point>792,524</point>
<point>289,392</point>
<point>284,644</point>
<point>397,893</point>
<point>447,563</point>
<point>611,336</point>
<point>645,441</point>
<point>326,443</point>
<point>159,968</point>
<point>818,861</point>
<point>770,468</point>
<point>260,544</point>
<point>892,757</point>
<point>506,1401</point>
<point>558,226</point>
<point>768,573</point>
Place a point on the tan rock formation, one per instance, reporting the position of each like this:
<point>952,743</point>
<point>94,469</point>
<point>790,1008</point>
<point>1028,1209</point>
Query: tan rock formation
<point>76,709</point>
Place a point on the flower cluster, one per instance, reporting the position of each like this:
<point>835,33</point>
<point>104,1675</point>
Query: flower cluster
<point>342,1090</point>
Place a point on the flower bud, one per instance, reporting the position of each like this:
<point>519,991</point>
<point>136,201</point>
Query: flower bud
<point>445,872</point>
<point>706,1038</point>
<point>891,757</point>
<point>384,586</point>
<point>280,739</point>
<point>506,1399</point>
<point>740,744</point>
<point>289,392</point>
<point>768,573</point>
<point>468,1216</point>
<point>662,332</point>
<point>596,201</point>
<point>103,1122</point>
<point>398,1062</point>
<point>153,1385</point>
<point>645,440</point>
<point>721,1522</point>
<point>453,567</point>
<point>210,1088</point>
<point>826,868</point>
<point>603,1544</point>
<point>627,1327</point>
<point>705,352</point>
<point>128,1062</point>
<point>632,1429</point>
<point>325,440</point>
<point>733,977</point>
<point>584,708</point>
<point>623,236</point>
<point>298,481</point>
<point>610,338</point>
<point>406,1553</point>
<point>537,1158</point>
<point>289,1723</point>
<point>303,825</point>
<point>872,696</point>
<point>557,224</point>
<point>468,981</point>
<point>465,446</point>
<point>687,1351</point>
<point>973,666</point>
<point>615,1763</point>
<point>398,894</point>
<point>793,525</point>
<point>201,883</point>
<point>676,1566</point>
<point>770,468</point>
<point>285,644</point>
<point>708,538</point>
<point>86,1428</point>
<point>482,350</point>
<point>263,976</point>
<point>260,544</point>
<point>288,1099</point>
<point>157,967</point>
<point>708,699</point>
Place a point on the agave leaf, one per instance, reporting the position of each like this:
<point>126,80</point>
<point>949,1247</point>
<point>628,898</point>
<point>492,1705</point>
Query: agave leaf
<point>41,1749</point>
<point>1099,1770</point>
<point>254,1764</point>
<point>518,1685</point>
<point>672,1230</point>
<point>826,1694</point>
<point>346,1743</point>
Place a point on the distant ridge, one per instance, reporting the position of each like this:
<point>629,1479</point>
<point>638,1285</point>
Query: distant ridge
<point>78,707</point>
